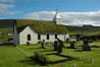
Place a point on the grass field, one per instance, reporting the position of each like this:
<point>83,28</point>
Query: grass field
<point>12,57</point>
<point>4,34</point>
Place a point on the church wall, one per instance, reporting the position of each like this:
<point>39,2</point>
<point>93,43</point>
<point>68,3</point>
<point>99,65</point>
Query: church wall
<point>51,37</point>
<point>62,37</point>
<point>34,36</point>
<point>24,33</point>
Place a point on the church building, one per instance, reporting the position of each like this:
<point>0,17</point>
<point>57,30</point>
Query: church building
<point>33,31</point>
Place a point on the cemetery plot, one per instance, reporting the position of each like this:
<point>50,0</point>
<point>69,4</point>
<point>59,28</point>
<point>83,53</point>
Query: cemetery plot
<point>52,58</point>
<point>55,58</point>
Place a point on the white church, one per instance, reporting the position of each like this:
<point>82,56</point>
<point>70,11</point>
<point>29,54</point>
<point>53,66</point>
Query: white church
<point>33,31</point>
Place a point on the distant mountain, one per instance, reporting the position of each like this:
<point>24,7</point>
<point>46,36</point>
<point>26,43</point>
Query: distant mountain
<point>87,26</point>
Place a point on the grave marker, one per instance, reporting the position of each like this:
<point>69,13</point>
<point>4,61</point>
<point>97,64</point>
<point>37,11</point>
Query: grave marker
<point>85,46</point>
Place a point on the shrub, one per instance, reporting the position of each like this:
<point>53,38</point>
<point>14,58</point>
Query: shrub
<point>41,58</point>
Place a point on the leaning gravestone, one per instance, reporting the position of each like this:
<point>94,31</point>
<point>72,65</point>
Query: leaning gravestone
<point>60,45</point>
<point>85,46</point>
<point>55,45</point>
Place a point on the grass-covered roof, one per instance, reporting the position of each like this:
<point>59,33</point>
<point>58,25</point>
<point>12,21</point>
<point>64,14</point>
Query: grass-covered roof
<point>42,26</point>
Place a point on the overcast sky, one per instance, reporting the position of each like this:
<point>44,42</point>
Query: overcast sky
<point>73,12</point>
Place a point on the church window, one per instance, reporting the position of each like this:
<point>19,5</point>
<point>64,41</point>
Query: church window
<point>39,36</point>
<point>55,36</point>
<point>47,36</point>
<point>29,37</point>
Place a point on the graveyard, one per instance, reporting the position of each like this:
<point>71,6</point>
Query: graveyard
<point>49,33</point>
<point>72,55</point>
<point>19,56</point>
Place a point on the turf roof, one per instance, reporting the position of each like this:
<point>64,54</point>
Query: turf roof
<point>42,26</point>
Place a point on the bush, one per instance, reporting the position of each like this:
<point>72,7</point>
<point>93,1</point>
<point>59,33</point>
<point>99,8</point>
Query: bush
<point>41,58</point>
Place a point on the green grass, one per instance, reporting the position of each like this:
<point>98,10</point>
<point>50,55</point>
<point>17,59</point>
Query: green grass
<point>4,34</point>
<point>6,30</point>
<point>11,57</point>
<point>55,58</point>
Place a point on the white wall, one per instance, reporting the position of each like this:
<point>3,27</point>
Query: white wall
<point>24,33</point>
<point>34,36</point>
<point>63,37</point>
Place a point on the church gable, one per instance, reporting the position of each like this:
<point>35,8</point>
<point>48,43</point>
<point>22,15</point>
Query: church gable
<point>27,35</point>
<point>25,29</point>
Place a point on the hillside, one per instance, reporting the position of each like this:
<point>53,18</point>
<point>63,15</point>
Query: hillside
<point>85,30</point>
<point>6,23</point>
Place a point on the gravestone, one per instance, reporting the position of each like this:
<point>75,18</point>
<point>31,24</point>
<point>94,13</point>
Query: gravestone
<point>92,60</point>
<point>14,44</point>
<point>85,46</point>
<point>55,45</point>
<point>60,45</point>
<point>85,41</point>
<point>73,65</point>
<point>79,57</point>
<point>42,44</point>
<point>72,45</point>
<point>28,43</point>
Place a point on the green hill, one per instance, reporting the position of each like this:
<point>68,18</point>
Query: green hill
<point>6,23</point>
<point>85,30</point>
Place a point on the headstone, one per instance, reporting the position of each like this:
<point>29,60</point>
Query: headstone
<point>73,65</point>
<point>60,45</point>
<point>55,45</point>
<point>79,57</point>
<point>67,40</point>
<point>72,45</point>
<point>85,41</point>
<point>42,44</point>
<point>92,60</point>
<point>85,46</point>
<point>28,43</point>
<point>14,44</point>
